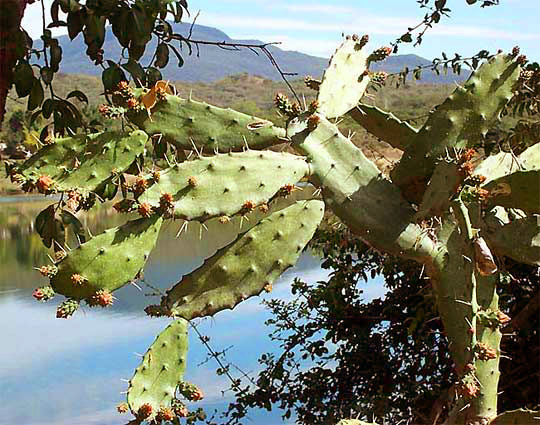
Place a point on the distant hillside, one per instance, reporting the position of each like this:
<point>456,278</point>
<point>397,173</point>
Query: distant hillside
<point>214,63</point>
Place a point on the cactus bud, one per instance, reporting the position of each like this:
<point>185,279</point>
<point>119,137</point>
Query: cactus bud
<point>59,256</point>
<point>140,185</point>
<point>145,411</point>
<point>45,293</point>
<point>521,59</point>
<point>286,190</point>
<point>484,351</point>
<point>102,298</point>
<point>44,184</point>
<point>379,77</point>
<point>248,207</point>
<point>380,54</point>
<point>145,209</point>
<point>264,208</point>
<point>67,308</point>
<point>515,51</point>
<point>78,279</point>
<point>48,271</point>
<point>122,408</point>
<point>165,414</point>
<point>192,181</point>
<point>312,122</point>
<point>179,408</point>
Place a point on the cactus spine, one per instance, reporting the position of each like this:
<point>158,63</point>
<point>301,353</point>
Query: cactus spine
<point>438,207</point>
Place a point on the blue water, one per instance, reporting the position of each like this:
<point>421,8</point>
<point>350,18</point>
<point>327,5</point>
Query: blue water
<point>70,372</point>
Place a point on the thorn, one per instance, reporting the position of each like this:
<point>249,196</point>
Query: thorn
<point>182,228</point>
<point>465,407</point>
<point>89,233</point>
<point>137,354</point>
<point>464,302</point>
<point>123,392</point>
<point>246,143</point>
<point>136,286</point>
<point>124,380</point>
<point>195,147</point>
<point>190,93</point>
<point>50,258</point>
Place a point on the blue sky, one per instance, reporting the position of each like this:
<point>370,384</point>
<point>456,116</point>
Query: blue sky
<point>315,26</point>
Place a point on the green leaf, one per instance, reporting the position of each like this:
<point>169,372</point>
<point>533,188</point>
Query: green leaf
<point>162,55</point>
<point>48,108</point>
<point>112,76</point>
<point>135,70</point>
<point>46,74</point>
<point>23,79</point>
<point>75,23</point>
<point>36,95</point>
<point>406,38</point>
<point>56,55</point>
<point>79,95</point>
<point>153,75</point>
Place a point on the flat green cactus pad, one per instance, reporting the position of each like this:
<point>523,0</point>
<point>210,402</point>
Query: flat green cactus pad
<point>345,80</point>
<point>517,190</point>
<point>161,370</point>
<point>518,417</point>
<point>519,240</point>
<point>107,261</point>
<point>384,125</point>
<point>222,184</point>
<point>189,123</point>
<point>84,162</point>
<point>251,263</point>
<point>462,120</point>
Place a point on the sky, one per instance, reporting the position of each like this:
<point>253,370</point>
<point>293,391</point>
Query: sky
<point>316,26</point>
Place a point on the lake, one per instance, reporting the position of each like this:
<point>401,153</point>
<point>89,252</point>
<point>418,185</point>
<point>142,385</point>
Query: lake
<point>55,371</point>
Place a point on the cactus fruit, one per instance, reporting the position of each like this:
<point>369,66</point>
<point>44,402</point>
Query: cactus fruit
<point>459,122</point>
<point>67,308</point>
<point>102,298</point>
<point>154,383</point>
<point>248,265</point>
<point>222,184</point>
<point>344,81</point>
<point>45,293</point>
<point>188,123</point>
<point>107,261</point>
<point>380,54</point>
<point>81,162</point>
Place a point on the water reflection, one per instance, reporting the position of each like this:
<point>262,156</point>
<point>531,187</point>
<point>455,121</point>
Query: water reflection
<point>69,371</point>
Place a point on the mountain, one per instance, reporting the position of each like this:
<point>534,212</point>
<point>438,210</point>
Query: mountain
<point>211,63</point>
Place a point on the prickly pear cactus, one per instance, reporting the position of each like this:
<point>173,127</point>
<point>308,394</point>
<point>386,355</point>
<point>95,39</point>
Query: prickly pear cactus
<point>225,184</point>
<point>153,386</point>
<point>82,163</point>
<point>107,261</point>
<point>445,205</point>
<point>186,123</point>
<point>248,266</point>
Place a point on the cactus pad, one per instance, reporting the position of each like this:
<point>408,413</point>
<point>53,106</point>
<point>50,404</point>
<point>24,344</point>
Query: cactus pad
<point>107,261</point>
<point>518,417</point>
<point>462,120</point>
<point>384,125</point>
<point>82,162</point>
<point>161,370</point>
<point>517,190</point>
<point>345,80</point>
<point>225,183</point>
<point>251,263</point>
<point>186,123</point>
<point>358,193</point>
